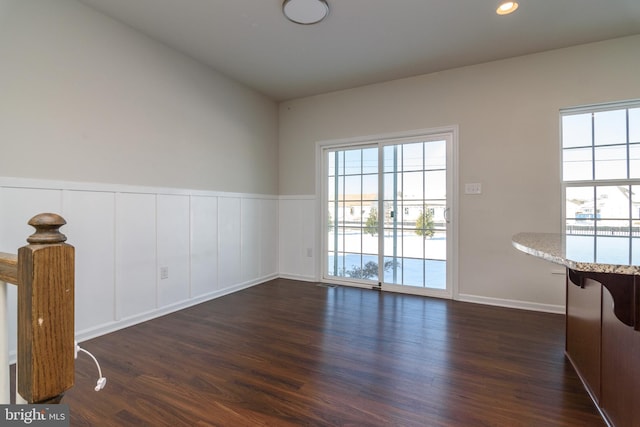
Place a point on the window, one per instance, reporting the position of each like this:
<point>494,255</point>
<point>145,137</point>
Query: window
<point>601,181</point>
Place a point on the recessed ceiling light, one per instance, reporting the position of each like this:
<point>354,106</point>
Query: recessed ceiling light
<point>305,12</point>
<point>506,7</point>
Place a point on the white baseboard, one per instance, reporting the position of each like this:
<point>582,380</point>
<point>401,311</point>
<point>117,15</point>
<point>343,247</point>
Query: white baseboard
<point>498,302</point>
<point>302,278</point>
<point>509,303</point>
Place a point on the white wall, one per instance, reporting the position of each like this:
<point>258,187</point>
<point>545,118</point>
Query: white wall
<point>85,98</point>
<point>154,159</point>
<point>507,112</point>
<point>297,239</point>
<point>211,243</point>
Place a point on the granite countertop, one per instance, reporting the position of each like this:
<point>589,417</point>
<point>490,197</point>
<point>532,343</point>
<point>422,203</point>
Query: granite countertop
<point>589,253</point>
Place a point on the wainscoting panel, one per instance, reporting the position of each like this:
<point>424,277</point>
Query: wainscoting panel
<point>251,239</point>
<point>268,235</point>
<point>173,249</point>
<point>128,239</point>
<point>298,247</point>
<point>136,291</point>
<point>229,226</point>
<point>90,229</point>
<point>204,245</point>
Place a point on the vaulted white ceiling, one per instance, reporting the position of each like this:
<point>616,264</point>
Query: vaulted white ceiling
<point>364,41</point>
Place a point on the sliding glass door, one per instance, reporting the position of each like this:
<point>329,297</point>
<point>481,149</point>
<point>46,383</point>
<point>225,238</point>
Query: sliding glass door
<point>352,208</point>
<point>388,215</point>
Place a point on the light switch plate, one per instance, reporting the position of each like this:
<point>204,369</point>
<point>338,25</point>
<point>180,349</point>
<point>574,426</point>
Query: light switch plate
<point>473,188</point>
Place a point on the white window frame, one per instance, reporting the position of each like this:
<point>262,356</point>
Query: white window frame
<point>595,182</point>
<point>452,213</point>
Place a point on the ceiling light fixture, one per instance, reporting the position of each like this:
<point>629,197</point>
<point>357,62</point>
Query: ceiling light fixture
<point>506,7</point>
<point>305,12</point>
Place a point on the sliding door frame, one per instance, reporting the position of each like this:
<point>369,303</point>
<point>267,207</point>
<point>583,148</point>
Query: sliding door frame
<point>452,203</point>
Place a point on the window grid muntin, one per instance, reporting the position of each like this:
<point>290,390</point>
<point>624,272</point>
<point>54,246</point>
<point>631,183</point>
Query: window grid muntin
<point>631,181</point>
<point>348,167</point>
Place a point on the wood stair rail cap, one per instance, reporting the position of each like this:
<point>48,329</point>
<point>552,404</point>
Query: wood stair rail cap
<point>47,227</point>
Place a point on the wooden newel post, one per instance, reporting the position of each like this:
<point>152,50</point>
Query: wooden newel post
<point>45,312</point>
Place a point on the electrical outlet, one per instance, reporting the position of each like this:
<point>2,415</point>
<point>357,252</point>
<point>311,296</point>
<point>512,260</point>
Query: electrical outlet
<point>164,273</point>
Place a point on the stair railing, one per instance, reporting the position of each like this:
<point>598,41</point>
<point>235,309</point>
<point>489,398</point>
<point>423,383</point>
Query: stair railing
<point>43,271</point>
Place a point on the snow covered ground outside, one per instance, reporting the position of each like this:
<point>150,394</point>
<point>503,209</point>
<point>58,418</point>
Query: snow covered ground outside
<point>419,261</point>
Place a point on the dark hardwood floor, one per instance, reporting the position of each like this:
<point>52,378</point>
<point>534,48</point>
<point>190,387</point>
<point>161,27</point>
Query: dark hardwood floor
<point>289,353</point>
